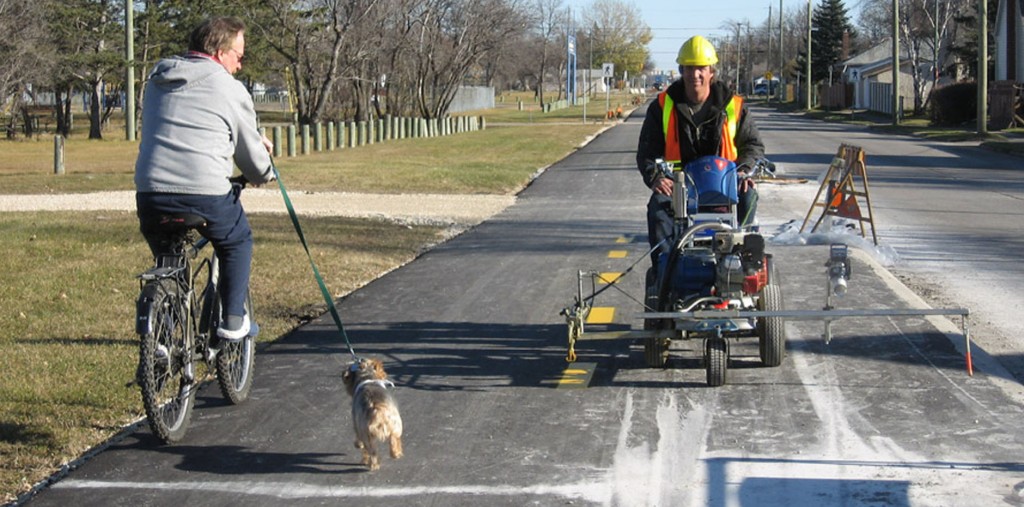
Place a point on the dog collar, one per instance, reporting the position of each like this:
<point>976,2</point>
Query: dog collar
<point>386,384</point>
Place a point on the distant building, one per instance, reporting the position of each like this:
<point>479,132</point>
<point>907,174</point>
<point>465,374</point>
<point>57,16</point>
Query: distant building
<point>870,72</point>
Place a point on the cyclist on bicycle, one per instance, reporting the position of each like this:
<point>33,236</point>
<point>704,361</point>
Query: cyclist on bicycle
<point>198,122</point>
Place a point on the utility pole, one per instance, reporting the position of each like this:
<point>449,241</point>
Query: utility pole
<point>809,92</point>
<point>896,112</point>
<point>590,77</point>
<point>750,59</point>
<point>129,53</point>
<point>982,66</point>
<point>739,54</point>
<point>570,64</point>
<point>782,56</point>
<point>935,54</point>
<point>768,59</point>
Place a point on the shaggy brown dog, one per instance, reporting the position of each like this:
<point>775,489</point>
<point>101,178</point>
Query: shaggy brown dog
<point>374,410</point>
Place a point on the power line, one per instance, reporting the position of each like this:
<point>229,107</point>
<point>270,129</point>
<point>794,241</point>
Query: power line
<point>687,28</point>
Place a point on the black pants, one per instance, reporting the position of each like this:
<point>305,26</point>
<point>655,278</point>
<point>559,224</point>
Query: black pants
<point>660,219</point>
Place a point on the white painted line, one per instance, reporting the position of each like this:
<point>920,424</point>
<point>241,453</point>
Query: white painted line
<point>587,491</point>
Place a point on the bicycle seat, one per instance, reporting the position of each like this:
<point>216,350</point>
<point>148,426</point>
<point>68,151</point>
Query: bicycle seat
<point>177,222</point>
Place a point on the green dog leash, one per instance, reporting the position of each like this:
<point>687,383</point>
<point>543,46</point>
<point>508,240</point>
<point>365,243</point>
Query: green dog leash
<point>316,272</point>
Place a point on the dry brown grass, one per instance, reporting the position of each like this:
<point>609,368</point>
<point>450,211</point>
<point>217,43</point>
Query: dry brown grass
<point>495,160</point>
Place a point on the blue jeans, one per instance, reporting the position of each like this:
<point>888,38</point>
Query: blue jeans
<point>227,228</point>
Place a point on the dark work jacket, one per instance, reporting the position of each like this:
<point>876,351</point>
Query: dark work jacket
<point>696,141</point>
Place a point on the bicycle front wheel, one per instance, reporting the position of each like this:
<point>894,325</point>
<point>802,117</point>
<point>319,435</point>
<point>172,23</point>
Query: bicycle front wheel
<point>167,394</point>
<point>236,363</point>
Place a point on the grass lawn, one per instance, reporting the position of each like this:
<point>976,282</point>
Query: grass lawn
<point>912,126</point>
<point>493,160</point>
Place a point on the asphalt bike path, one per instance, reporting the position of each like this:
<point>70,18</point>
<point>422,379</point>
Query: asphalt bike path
<point>471,334</point>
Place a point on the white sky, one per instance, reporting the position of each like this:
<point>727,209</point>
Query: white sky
<point>674,21</point>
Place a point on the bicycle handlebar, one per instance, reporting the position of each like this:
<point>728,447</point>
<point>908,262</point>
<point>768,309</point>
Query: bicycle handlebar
<point>239,181</point>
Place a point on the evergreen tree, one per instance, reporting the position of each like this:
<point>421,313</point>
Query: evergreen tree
<point>88,39</point>
<point>828,24</point>
<point>965,47</point>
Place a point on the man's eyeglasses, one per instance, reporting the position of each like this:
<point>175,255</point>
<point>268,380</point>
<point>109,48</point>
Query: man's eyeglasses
<point>239,54</point>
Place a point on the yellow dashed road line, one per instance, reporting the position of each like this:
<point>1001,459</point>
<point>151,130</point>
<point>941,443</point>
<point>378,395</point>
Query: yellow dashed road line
<point>577,376</point>
<point>601,315</point>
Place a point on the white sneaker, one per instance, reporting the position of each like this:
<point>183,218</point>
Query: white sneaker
<point>234,328</point>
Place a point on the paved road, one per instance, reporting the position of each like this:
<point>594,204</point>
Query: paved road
<point>950,211</point>
<point>884,415</point>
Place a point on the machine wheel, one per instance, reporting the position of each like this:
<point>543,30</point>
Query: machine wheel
<point>716,356</point>
<point>771,331</point>
<point>655,349</point>
<point>656,352</point>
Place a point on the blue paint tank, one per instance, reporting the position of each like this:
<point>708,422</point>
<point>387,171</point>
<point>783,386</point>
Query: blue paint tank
<point>694,274</point>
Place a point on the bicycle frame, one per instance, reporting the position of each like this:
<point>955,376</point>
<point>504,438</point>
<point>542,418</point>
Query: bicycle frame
<point>181,266</point>
<point>178,310</point>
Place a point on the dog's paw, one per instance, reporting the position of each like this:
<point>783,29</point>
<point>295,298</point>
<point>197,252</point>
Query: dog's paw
<point>396,447</point>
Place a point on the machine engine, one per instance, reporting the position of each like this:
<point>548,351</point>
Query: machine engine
<point>731,267</point>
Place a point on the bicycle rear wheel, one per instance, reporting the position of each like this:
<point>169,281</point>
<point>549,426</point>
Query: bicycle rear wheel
<point>236,362</point>
<point>167,395</point>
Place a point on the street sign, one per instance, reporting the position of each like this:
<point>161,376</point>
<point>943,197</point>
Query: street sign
<point>608,70</point>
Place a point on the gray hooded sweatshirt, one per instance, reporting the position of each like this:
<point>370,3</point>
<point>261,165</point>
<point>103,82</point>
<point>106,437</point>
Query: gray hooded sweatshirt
<point>198,122</point>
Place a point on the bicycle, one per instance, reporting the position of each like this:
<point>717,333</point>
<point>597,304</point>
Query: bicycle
<point>177,326</point>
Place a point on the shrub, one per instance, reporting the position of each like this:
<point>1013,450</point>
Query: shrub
<point>954,104</point>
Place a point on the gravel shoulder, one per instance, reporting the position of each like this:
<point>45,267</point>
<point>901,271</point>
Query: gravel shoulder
<point>456,210</point>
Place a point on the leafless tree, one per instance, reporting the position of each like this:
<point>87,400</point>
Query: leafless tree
<point>452,37</point>
<point>619,33</point>
<point>315,40</point>
<point>926,27</point>
<point>380,56</point>
<point>21,54</point>
<point>549,25</point>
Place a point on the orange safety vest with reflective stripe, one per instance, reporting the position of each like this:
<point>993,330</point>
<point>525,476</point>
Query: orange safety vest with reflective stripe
<point>727,146</point>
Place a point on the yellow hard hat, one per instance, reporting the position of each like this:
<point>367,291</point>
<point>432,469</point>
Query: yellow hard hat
<point>697,52</point>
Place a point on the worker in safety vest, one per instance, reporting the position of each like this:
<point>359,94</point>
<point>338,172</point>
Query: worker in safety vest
<point>695,116</point>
